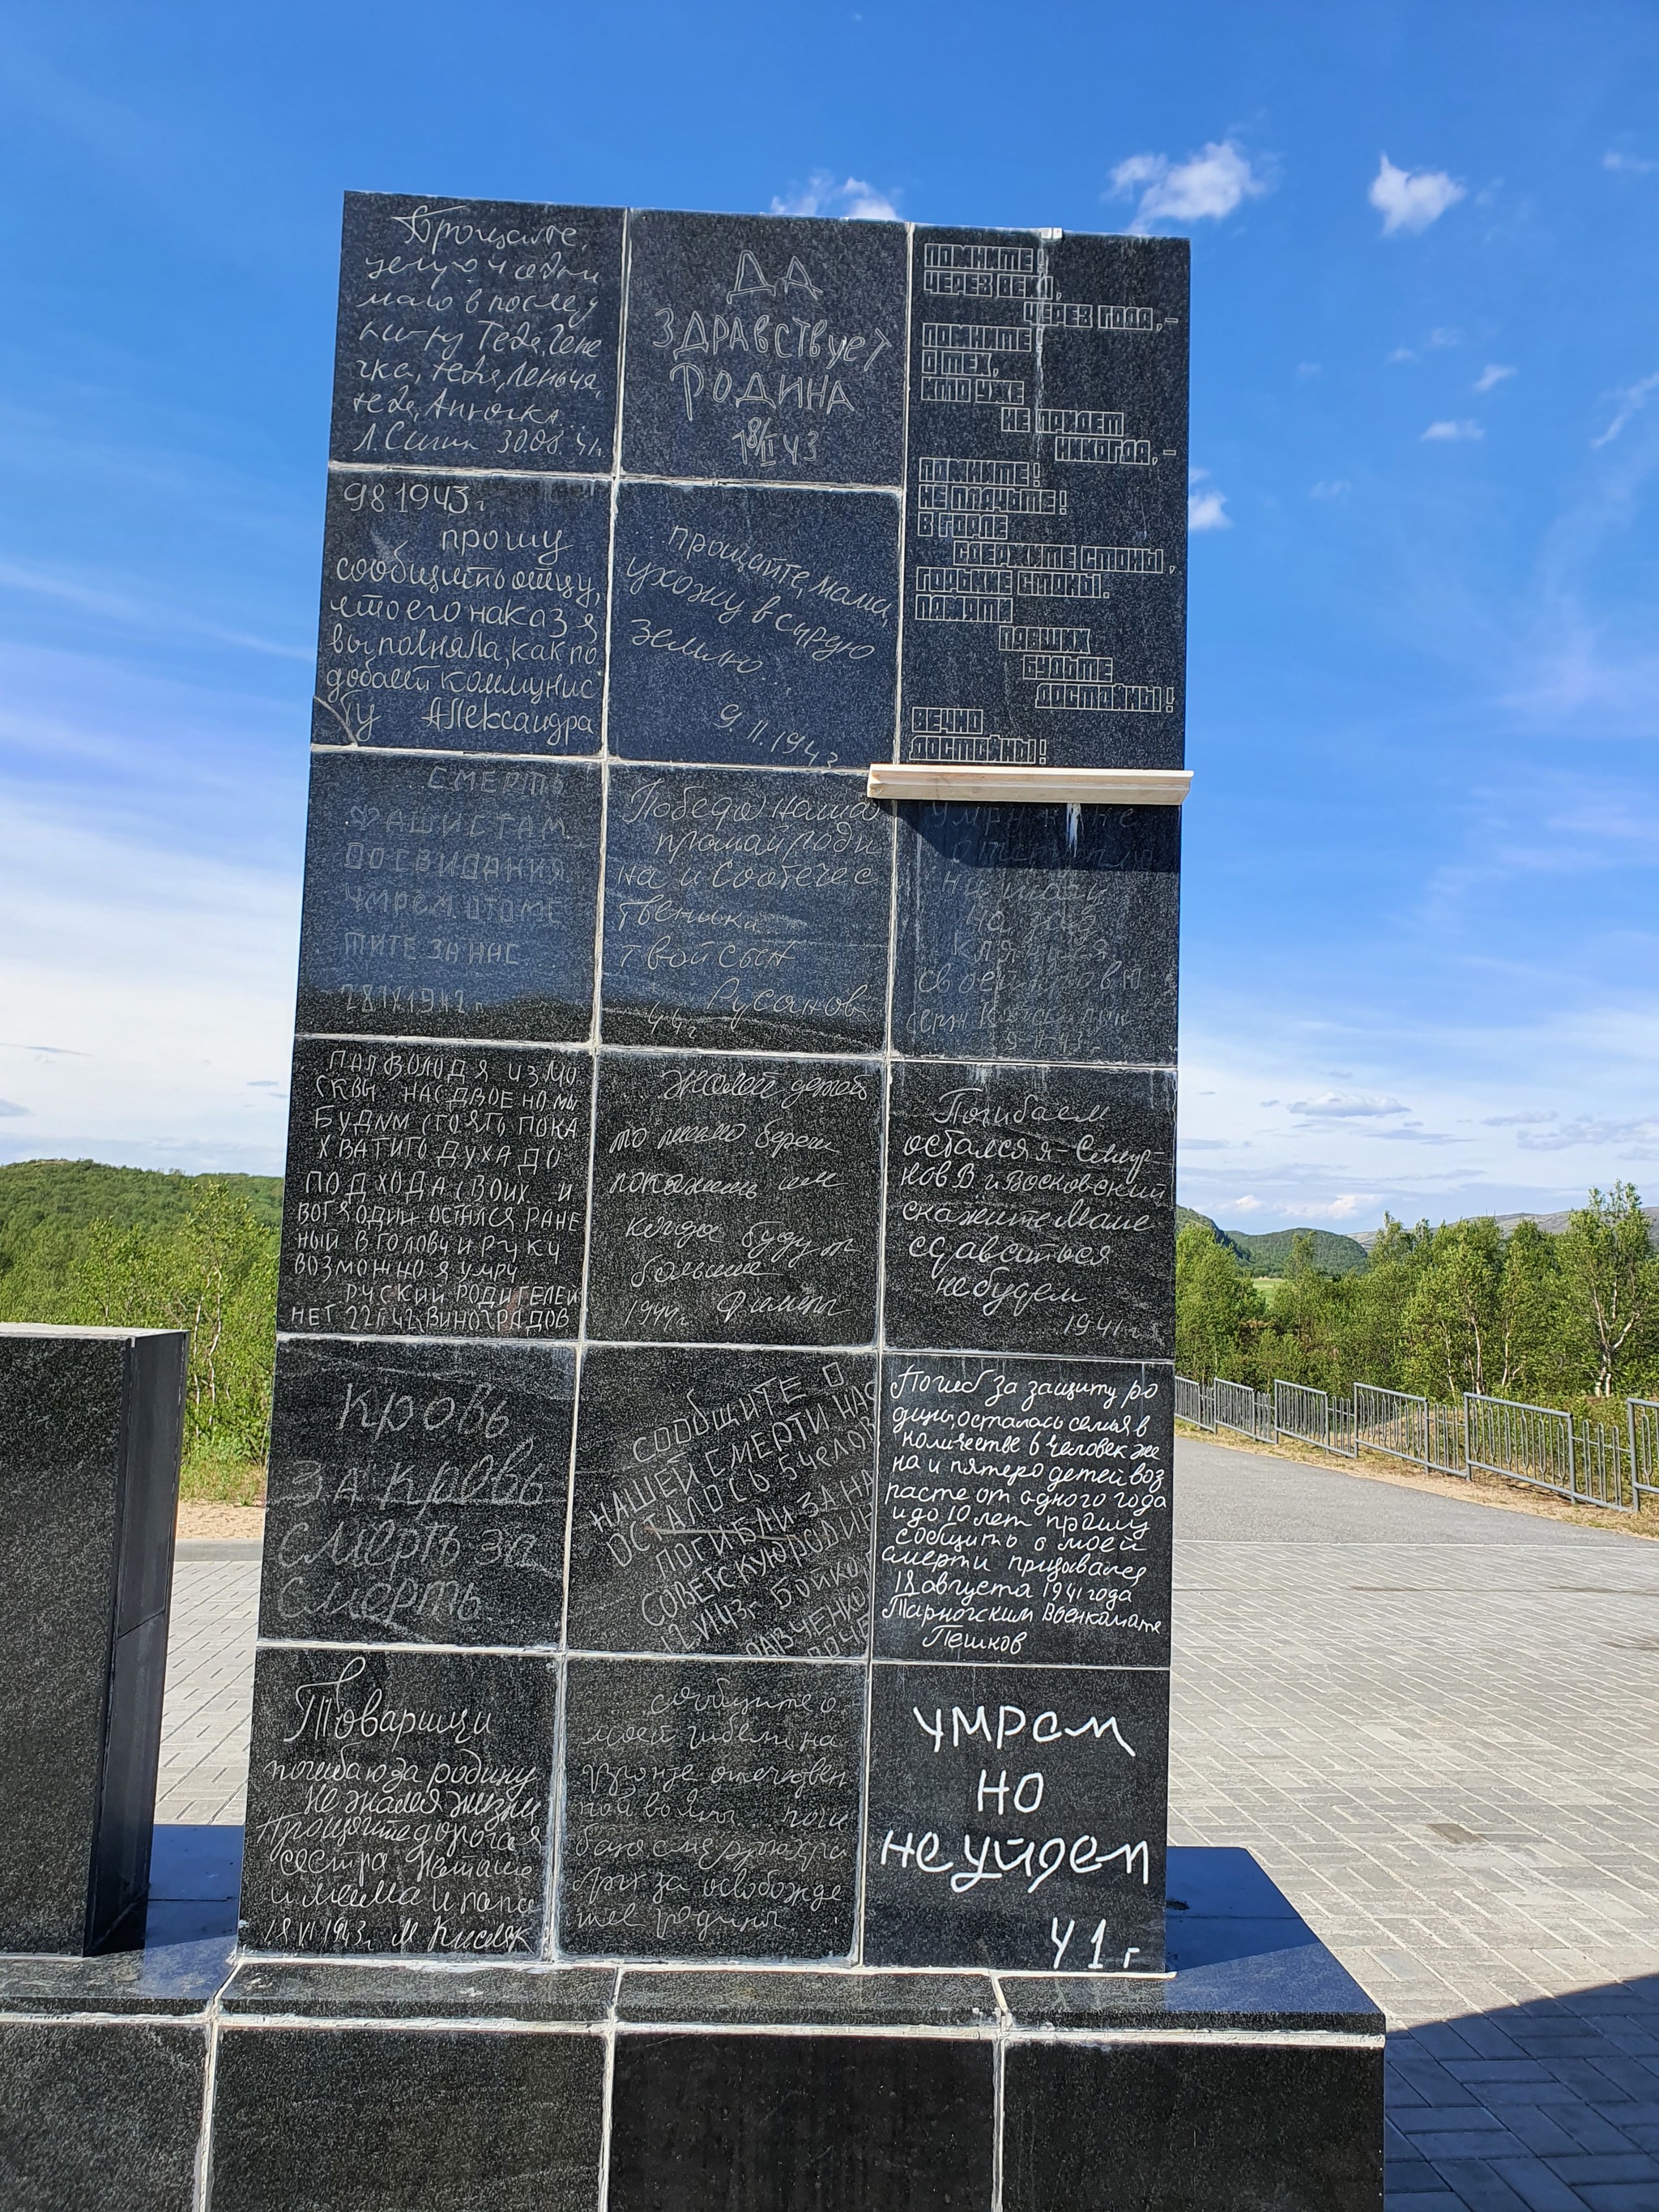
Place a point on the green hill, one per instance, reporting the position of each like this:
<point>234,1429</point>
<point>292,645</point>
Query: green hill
<point>76,1192</point>
<point>1268,1253</point>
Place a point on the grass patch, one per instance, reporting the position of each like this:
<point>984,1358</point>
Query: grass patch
<point>211,1478</point>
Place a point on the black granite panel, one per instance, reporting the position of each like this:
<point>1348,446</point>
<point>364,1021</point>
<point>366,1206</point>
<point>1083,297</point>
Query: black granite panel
<point>1192,2127</point>
<point>730,1997</point>
<point>1016,1818</point>
<point>435,1191</point>
<point>1024,1510</point>
<point>754,626</point>
<point>734,1199</point>
<point>94,2116</point>
<point>1045,555</point>
<point>722,1504</point>
<point>417,1492</point>
<point>745,910</point>
<point>709,1810</point>
<point>449,900</point>
<point>1037,933</point>
<point>1031,1209</point>
<point>410,1990</point>
<point>765,347</point>
<point>464,615</point>
<point>397,1801</point>
<point>400,2120</point>
<point>477,334</point>
<point>801,2123</point>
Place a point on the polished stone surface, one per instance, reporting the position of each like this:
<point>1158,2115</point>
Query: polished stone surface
<point>746,910</point>
<point>90,1430</point>
<point>1024,1510</point>
<point>397,1801</point>
<point>765,349</point>
<point>1045,555</point>
<point>462,613</point>
<point>710,1811</point>
<point>417,1492</point>
<point>1016,1817</point>
<point>477,334</point>
<point>434,1190</point>
<point>1037,933</point>
<point>754,627</point>
<point>722,1504</point>
<point>1031,1209</point>
<point>770,2123</point>
<point>385,2121</point>
<point>86,2108</point>
<point>734,1199</point>
<point>449,901</point>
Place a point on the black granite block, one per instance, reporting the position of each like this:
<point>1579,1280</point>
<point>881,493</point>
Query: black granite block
<point>1024,1510</point>
<point>96,2115</point>
<point>91,1421</point>
<point>777,1997</point>
<point>764,348</point>
<point>397,1801</point>
<point>1046,550</point>
<point>417,1492</point>
<point>1016,1818</point>
<point>434,1190</point>
<point>423,1989</point>
<point>801,2123</point>
<point>745,910</point>
<point>462,614</point>
<point>449,900</point>
<point>1192,2127</point>
<point>710,1811</point>
<point>734,1199</point>
<point>722,1504</point>
<point>477,334</point>
<point>753,625</point>
<point>1037,933</point>
<point>1031,1209</point>
<point>395,2120</point>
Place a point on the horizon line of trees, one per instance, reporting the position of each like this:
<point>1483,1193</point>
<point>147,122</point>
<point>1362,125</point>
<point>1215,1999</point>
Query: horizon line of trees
<point>1554,1319</point>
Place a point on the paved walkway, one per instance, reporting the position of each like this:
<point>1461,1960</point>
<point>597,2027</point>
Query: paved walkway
<point>1435,1724</point>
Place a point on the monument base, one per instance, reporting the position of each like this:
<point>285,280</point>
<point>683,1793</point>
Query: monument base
<point>1251,2078</point>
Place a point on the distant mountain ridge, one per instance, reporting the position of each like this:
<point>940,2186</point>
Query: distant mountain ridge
<point>1551,1224</point>
<point>1269,1252</point>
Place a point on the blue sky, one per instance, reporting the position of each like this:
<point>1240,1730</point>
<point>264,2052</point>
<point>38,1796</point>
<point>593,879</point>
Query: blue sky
<point>1420,866</point>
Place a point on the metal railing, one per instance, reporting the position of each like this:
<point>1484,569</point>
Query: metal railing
<point>1586,1462</point>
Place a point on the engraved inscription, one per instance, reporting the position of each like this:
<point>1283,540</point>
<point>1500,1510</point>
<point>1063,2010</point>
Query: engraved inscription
<point>434,1192</point>
<point>722,1504</point>
<point>710,1812</point>
<point>745,910</point>
<point>1024,1510</point>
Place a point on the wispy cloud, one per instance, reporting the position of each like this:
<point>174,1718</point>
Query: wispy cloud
<point>1346,1106</point>
<point>1410,199</point>
<point>1330,487</point>
<point>1631,165</point>
<point>1248,1204</point>
<point>1345,1205</point>
<point>1447,433</point>
<point>1207,185</point>
<point>1636,1139</point>
<point>8,1110</point>
<point>850,198</point>
<point>1206,510</point>
<point>1631,400</point>
<point>1493,375</point>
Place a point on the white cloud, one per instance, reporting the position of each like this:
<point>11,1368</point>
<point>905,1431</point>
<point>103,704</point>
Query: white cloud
<point>1631,400</point>
<point>7,1108</point>
<point>1344,1206</point>
<point>1330,487</point>
<point>1247,1205</point>
<point>1410,199</point>
<point>1207,510</point>
<point>1401,353</point>
<point>1452,433</point>
<point>852,200</point>
<point>1636,1139</point>
<point>1209,185</point>
<point>1493,375</point>
<point>1631,165</point>
<point>1346,1105</point>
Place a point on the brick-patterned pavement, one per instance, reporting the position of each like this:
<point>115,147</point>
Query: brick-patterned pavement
<point>1436,1723</point>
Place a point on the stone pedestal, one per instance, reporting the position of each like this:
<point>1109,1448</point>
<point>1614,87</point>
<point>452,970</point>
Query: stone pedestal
<point>90,1426</point>
<point>1251,2080</point>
